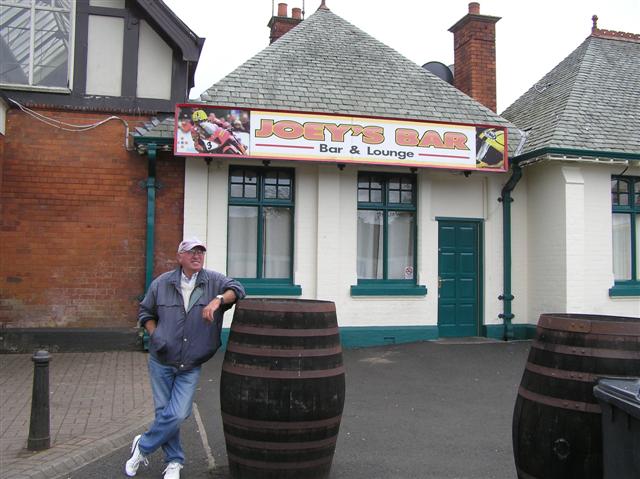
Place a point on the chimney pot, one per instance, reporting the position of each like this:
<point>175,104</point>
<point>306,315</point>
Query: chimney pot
<point>282,9</point>
<point>474,8</point>
<point>296,13</point>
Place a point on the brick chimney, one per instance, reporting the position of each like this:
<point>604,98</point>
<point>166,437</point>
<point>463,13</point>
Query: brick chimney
<point>474,46</point>
<point>282,23</point>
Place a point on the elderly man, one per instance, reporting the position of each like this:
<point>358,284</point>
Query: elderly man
<point>182,312</point>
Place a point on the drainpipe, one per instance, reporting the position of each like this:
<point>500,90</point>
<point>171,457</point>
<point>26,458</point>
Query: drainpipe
<point>506,296</point>
<point>152,151</point>
<point>506,200</point>
<point>151,185</point>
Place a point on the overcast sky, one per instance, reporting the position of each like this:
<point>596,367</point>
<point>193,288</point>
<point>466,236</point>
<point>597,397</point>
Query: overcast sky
<point>532,36</point>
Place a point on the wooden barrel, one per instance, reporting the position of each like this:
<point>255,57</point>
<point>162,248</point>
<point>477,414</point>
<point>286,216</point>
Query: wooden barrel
<point>557,431</point>
<point>282,389</point>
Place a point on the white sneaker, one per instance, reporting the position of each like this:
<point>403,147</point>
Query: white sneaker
<point>172,470</point>
<point>131,467</point>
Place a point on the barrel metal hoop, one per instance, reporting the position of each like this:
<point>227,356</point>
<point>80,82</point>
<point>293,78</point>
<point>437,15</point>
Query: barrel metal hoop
<point>263,331</point>
<point>283,353</point>
<point>281,446</point>
<point>561,373</point>
<point>280,465</point>
<point>589,352</point>
<point>559,402</point>
<point>287,307</point>
<point>573,323</point>
<point>280,425</point>
<point>282,374</point>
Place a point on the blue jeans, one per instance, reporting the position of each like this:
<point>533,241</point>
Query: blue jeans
<point>173,392</point>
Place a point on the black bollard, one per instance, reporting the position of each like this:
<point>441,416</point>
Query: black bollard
<point>39,437</point>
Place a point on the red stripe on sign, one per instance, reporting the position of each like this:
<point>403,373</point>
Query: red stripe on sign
<point>285,146</point>
<point>443,156</point>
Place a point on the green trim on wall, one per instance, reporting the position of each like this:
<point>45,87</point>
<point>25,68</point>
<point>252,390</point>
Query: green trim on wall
<point>520,331</point>
<point>362,337</point>
<point>270,287</point>
<point>576,152</point>
<point>387,288</point>
<point>629,289</point>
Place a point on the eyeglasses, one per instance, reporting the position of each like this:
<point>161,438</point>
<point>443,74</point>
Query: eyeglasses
<point>195,252</point>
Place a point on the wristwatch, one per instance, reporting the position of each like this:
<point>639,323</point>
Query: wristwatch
<point>221,298</point>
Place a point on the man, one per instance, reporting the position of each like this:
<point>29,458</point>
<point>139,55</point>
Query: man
<point>182,312</point>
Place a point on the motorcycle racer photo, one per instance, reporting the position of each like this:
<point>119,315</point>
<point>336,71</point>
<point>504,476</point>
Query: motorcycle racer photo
<point>215,135</point>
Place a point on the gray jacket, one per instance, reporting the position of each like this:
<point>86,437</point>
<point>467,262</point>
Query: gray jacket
<point>184,339</point>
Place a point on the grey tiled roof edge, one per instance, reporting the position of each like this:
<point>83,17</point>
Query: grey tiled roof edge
<point>590,101</point>
<point>327,65</point>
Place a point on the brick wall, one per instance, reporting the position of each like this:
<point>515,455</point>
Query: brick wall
<point>73,222</point>
<point>474,43</point>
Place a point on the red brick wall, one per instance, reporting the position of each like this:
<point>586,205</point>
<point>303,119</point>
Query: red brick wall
<point>73,222</point>
<point>475,59</point>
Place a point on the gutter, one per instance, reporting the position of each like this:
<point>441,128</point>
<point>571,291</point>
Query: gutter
<point>505,198</point>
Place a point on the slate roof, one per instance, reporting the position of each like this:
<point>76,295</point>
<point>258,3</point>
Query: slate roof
<point>327,65</point>
<point>589,101</point>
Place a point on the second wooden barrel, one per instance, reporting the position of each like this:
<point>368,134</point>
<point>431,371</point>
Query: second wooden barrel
<point>557,431</point>
<point>282,389</point>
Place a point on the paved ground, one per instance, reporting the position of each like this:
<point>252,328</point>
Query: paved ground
<point>438,410</point>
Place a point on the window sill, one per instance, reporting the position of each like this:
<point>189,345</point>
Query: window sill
<point>627,289</point>
<point>43,89</point>
<point>384,288</point>
<point>266,288</point>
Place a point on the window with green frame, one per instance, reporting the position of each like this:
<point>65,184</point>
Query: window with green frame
<point>625,200</point>
<point>260,229</point>
<point>387,235</point>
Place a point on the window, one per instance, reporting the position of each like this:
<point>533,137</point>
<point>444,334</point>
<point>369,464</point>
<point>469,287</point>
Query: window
<point>386,259</point>
<point>260,241</point>
<point>625,200</point>
<point>35,42</point>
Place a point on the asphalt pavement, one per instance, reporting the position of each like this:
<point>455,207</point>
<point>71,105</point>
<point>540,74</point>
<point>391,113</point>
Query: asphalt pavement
<point>428,410</point>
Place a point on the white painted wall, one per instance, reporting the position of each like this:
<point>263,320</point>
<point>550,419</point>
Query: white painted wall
<point>326,235</point>
<point>569,241</point>
<point>104,55</point>
<point>154,65</point>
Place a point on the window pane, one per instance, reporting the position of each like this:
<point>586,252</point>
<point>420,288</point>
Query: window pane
<point>236,191</point>
<point>621,247</point>
<point>270,191</point>
<point>363,196</point>
<point>376,196</point>
<point>284,192</point>
<point>276,244</point>
<point>370,244</point>
<point>243,242</point>
<point>250,191</point>
<point>401,244</point>
<point>637,278</point>
<point>14,60</point>
<point>51,49</point>
<point>394,197</point>
<point>637,191</point>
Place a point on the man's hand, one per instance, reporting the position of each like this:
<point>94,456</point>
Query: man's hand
<point>210,309</point>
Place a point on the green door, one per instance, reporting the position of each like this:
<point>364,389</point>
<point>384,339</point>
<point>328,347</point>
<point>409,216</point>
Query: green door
<point>458,278</point>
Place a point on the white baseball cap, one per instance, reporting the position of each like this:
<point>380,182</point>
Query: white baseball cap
<point>189,244</point>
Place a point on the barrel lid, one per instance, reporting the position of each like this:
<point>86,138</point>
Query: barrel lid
<point>623,393</point>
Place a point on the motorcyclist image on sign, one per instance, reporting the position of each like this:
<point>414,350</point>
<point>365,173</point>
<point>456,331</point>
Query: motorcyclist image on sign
<point>490,148</point>
<point>215,135</point>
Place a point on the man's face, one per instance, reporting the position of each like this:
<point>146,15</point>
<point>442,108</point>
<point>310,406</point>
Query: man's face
<point>191,261</point>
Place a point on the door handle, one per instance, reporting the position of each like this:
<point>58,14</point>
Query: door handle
<point>439,282</point>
